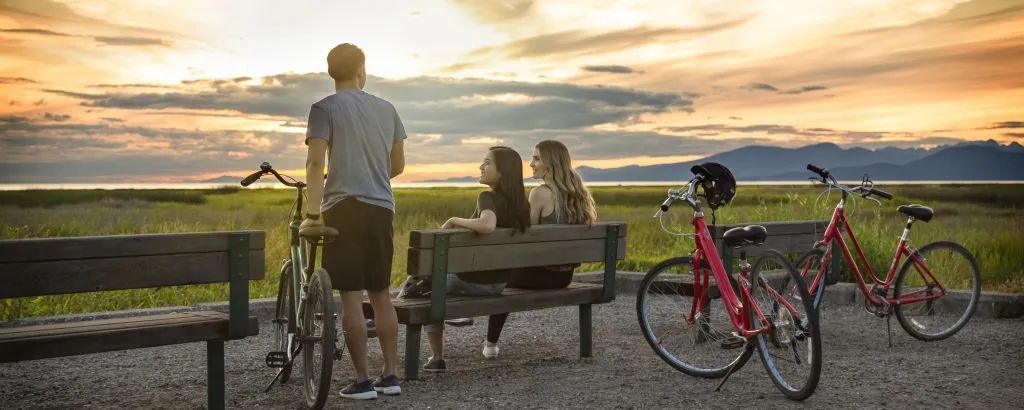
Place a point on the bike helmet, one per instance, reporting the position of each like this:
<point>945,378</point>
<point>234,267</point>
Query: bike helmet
<point>719,184</point>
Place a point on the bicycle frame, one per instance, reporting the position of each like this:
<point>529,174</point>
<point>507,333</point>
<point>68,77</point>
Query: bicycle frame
<point>303,260</point>
<point>833,236</point>
<point>734,304</point>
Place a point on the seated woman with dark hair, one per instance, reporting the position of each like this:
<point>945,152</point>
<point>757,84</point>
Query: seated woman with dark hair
<point>503,206</point>
<point>560,199</point>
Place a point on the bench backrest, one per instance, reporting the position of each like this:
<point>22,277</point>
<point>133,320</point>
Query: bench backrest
<point>786,237</point>
<point>49,266</point>
<point>540,245</point>
<point>791,237</point>
<point>434,253</point>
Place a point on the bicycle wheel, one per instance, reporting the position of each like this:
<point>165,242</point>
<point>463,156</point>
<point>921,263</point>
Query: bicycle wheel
<point>284,314</point>
<point>809,266</point>
<point>791,350</point>
<point>936,319</point>
<point>318,339</point>
<point>704,347</point>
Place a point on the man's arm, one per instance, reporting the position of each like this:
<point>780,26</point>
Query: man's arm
<point>315,161</point>
<point>397,159</point>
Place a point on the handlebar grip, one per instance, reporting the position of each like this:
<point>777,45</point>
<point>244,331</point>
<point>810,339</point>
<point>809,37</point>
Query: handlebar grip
<point>252,178</point>
<point>665,205</point>
<point>817,170</point>
<point>879,192</point>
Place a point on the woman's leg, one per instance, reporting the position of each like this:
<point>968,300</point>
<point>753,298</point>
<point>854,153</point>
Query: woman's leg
<point>494,325</point>
<point>540,278</point>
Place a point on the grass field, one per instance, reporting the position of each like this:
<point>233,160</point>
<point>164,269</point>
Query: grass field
<point>987,219</point>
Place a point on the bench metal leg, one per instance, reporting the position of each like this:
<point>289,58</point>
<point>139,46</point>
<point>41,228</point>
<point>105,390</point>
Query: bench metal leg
<point>412,351</point>
<point>215,373</point>
<point>586,331</point>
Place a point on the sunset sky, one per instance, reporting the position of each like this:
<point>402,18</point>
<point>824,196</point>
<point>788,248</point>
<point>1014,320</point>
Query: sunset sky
<point>183,90</point>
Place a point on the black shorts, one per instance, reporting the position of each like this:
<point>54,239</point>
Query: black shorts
<point>359,258</point>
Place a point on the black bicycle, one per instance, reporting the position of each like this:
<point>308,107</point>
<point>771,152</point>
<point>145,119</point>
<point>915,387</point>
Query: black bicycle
<point>304,321</point>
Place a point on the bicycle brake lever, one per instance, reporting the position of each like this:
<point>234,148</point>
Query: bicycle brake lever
<point>657,214</point>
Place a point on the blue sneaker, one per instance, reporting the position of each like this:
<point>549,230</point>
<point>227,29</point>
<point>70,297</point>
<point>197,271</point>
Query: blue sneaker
<point>388,386</point>
<point>360,391</point>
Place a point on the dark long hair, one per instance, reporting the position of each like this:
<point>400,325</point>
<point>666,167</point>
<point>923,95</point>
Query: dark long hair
<point>510,186</point>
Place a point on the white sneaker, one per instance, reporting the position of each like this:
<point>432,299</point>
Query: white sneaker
<point>490,350</point>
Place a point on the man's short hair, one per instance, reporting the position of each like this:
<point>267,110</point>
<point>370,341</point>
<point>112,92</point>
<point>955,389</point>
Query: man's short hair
<point>344,61</point>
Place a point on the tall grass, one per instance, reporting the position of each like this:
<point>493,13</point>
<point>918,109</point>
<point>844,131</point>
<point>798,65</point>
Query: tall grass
<point>985,219</point>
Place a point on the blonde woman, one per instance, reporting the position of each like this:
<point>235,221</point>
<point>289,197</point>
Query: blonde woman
<point>560,199</point>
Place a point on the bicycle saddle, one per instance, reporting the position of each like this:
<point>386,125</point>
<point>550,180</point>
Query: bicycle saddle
<point>921,212</point>
<point>747,235</point>
<point>318,231</point>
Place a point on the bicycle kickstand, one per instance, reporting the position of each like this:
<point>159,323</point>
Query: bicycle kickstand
<point>732,368</point>
<point>888,328</point>
<point>287,365</point>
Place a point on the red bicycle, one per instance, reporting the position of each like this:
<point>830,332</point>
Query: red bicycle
<point>931,286</point>
<point>696,317</point>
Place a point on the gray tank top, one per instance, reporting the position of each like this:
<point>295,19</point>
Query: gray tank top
<point>559,215</point>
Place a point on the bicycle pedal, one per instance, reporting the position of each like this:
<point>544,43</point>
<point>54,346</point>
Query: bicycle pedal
<point>733,342</point>
<point>277,360</point>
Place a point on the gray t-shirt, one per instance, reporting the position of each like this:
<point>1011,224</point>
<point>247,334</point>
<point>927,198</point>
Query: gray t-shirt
<point>360,130</point>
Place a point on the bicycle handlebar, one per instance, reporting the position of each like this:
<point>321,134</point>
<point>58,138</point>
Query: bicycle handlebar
<point>252,178</point>
<point>266,168</point>
<point>818,170</point>
<point>879,192</point>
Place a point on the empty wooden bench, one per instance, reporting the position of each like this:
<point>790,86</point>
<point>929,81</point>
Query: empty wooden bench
<point>53,266</point>
<point>434,253</point>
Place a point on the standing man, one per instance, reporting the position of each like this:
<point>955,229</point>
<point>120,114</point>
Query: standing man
<point>363,137</point>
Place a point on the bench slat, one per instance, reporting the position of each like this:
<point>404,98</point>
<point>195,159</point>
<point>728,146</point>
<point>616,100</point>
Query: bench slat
<point>417,311</point>
<point>509,256</point>
<point>86,275</point>
<point>57,340</point>
<point>424,239</point>
<point>88,247</point>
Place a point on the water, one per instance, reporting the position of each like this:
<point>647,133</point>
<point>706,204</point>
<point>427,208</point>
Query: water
<point>213,185</point>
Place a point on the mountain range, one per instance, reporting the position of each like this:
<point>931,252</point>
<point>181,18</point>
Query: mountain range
<point>986,160</point>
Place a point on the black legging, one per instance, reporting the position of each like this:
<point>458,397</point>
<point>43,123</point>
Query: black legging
<point>530,278</point>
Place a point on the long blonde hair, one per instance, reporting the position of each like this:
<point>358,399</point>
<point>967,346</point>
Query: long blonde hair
<point>578,203</point>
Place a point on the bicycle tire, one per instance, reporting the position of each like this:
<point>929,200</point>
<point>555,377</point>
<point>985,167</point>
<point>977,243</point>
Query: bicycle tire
<point>807,268</point>
<point>703,342</point>
<point>941,258</point>
<point>318,339</point>
<point>284,314</point>
<point>780,349</point>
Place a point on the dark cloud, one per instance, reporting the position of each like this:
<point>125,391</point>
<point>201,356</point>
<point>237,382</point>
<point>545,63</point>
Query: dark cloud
<point>761,87</point>
<point>426,104</point>
<point>9,120</point>
<point>771,88</point>
<point>131,41</point>
<point>17,80</point>
<point>579,42</point>
<point>38,31</point>
<point>56,117</point>
<point>614,69</point>
<point>135,85</point>
<point>777,129</point>
<point>107,40</point>
<point>1004,124</point>
<point>805,89</point>
<point>111,119</point>
<point>1015,134</point>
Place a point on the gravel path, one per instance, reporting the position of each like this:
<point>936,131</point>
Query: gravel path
<point>981,367</point>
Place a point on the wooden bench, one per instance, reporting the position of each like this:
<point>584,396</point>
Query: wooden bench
<point>435,253</point>
<point>789,237</point>
<point>53,266</point>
